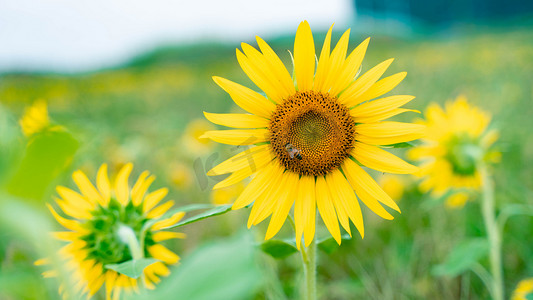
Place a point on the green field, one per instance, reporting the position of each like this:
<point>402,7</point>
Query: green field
<point>138,113</point>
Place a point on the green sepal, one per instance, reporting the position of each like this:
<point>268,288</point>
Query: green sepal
<point>132,268</point>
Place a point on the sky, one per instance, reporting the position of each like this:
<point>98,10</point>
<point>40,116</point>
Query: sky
<point>82,35</point>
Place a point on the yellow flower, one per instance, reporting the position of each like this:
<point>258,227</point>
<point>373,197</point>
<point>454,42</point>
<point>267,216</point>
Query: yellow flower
<point>191,140</point>
<point>226,195</point>
<point>523,290</point>
<point>101,220</point>
<point>393,185</point>
<point>457,140</point>
<point>35,118</point>
<point>308,132</point>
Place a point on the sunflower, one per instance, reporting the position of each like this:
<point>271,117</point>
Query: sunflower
<point>309,134</point>
<point>102,223</point>
<point>524,290</point>
<point>457,140</point>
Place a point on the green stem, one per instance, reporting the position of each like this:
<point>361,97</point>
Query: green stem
<point>309,264</point>
<point>493,233</point>
<point>127,235</point>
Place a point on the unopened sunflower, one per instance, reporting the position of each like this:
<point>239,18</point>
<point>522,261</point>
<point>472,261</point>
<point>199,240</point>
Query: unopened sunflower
<point>106,226</point>
<point>456,142</point>
<point>310,133</point>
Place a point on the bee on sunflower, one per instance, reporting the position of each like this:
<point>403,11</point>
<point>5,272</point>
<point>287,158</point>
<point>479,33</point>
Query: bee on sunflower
<point>113,224</point>
<point>310,135</point>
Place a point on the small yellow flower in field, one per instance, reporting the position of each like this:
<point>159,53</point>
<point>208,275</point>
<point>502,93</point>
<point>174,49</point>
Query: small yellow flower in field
<point>181,175</point>
<point>393,185</point>
<point>226,195</point>
<point>456,142</point>
<point>35,118</point>
<point>307,134</point>
<point>105,227</point>
<point>523,290</point>
<point>191,140</point>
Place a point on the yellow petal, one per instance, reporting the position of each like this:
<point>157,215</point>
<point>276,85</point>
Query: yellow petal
<point>336,61</point>
<point>284,204</point>
<point>122,190</point>
<point>237,120</point>
<point>161,253</point>
<point>249,159</point>
<point>383,86</point>
<point>368,199</point>
<point>326,208</point>
<point>160,210</point>
<point>254,69</point>
<point>256,186</point>
<point>87,188</point>
<point>69,224</point>
<point>381,160</point>
<point>305,210</point>
<point>342,215</point>
<point>280,71</point>
<point>137,186</point>
<point>154,198</point>
<point>140,188</point>
<point>341,189</point>
<point>168,222</point>
<point>350,68</point>
<point>246,98</point>
<point>265,202</point>
<point>361,181</point>
<point>167,235</point>
<point>351,96</point>
<point>237,176</point>
<point>383,116</point>
<point>304,57</point>
<point>73,198</point>
<point>102,182</point>
<point>378,107</point>
<point>388,133</point>
<point>238,136</point>
<point>323,63</point>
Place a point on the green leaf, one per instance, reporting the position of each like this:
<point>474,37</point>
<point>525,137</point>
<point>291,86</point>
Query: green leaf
<point>278,249</point>
<point>47,155</point>
<point>329,245</point>
<point>132,268</point>
<point>529,296</point>
<point>403,145</point>
<point>219,210</point>
<point>462,257</point>
<point>222,270</point>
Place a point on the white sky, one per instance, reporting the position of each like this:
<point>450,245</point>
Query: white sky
<point>74,35</point>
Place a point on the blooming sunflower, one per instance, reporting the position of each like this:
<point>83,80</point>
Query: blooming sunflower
<point>106,226</point>
<point>457,140</point>
<point>524,290</point>
<point>309,135</point>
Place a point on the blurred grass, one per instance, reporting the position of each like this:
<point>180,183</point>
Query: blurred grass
<point>138,112</point>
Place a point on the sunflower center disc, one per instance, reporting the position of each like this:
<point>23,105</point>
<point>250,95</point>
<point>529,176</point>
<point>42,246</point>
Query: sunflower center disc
<point>311,133</point>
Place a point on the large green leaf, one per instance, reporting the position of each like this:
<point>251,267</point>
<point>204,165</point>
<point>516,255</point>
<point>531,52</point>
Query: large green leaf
<point>219,210</point>
<point>225,270</point>
<point>278,249</point>
<point>47,154</point>
<point>462,257</point>
<point>132,268</point>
